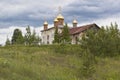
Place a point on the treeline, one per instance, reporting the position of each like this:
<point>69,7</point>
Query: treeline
<point>30,38</point>
<point>33,39</point>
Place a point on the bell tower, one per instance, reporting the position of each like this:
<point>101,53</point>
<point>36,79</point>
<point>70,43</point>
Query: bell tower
<point>45,25</point>
<point>75,23</point>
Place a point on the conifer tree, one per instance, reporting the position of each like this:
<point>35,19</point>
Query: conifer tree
<point>28,36</point>
<point>56,36</point>
<point>7,42</point>
<point>65,34</point>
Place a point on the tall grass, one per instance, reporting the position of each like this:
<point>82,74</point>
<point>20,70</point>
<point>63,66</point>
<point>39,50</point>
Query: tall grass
<point>51,62</point>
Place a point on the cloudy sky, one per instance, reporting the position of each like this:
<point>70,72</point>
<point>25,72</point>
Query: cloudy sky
<point>20,13</point>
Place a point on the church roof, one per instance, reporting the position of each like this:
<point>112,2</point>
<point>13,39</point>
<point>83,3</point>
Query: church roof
<point>80,29</point>
<point>77,30</point>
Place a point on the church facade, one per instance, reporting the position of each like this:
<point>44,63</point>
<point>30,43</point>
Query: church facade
<point>76,32</point>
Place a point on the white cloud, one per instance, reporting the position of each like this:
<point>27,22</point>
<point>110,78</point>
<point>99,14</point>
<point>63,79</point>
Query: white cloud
<point>16,7</point>
<point>10,10</point>
<point>104,22</point>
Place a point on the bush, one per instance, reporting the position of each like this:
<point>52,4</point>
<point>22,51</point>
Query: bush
<point>88,67</point>
<point>103,43</point>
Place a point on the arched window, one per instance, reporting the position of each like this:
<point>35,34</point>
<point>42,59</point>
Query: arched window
<point>47,39</point>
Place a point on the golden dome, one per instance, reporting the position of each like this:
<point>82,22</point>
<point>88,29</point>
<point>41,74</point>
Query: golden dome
<point>60,16</point>
<point>55,20</point>
<point>75,21</point>
<point>45,23</point>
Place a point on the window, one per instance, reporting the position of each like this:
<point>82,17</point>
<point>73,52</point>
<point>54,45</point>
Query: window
<point>47,39</point>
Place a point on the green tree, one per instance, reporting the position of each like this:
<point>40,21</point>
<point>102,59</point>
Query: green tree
<point>31,38</point>
<point>103,43</point>
<point>8,42</point>
<point>35,40</point>
<point>65,34</point>
<point>56,36</point>
<point>17,37</point>
<point>88,66</point>
<point>27,36</point>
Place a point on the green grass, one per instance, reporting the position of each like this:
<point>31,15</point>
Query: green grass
<point>46,63</point>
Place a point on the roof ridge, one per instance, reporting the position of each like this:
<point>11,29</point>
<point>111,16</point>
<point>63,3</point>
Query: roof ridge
<point>81,28</point>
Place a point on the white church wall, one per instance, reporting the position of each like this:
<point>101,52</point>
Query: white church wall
<point>49,33</point>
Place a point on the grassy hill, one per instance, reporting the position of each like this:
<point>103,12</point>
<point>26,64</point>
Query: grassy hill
<point>52,63</point>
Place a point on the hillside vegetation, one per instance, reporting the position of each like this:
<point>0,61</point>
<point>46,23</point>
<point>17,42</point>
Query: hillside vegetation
<point>48,63</point>
<point>97,57</point>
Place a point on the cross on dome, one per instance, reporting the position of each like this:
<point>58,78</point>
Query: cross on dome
<point>60,15</point>
<point>60,9</point>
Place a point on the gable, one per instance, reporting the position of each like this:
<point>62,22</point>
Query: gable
<point>80,29</point>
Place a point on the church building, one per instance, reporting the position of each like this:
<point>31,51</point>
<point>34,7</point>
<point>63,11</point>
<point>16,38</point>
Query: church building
<point>76,32</point>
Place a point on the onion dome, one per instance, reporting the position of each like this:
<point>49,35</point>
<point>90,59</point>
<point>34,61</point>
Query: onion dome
<point>55,20</point>
<point>45,23</point>
<point>60,16</point>
<point>75,21</point>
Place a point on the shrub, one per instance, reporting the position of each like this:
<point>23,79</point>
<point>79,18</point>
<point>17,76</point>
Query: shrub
<point>103,43</point>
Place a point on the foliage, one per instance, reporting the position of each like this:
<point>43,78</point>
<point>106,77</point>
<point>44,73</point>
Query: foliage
<point>36,63</point>
<point>17,37</point>
<point>87,69</point>
<point>56,36</point>
<point>31,38</point>
<point>65,35</point>
<point>27,36</point>
<point>42,63</point>
<point>35,39</point>
<point>103,43</point>
<point>96,58</point>
<point>8,42</point>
